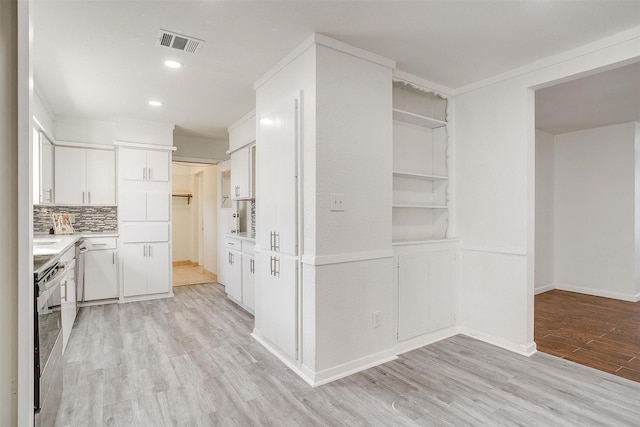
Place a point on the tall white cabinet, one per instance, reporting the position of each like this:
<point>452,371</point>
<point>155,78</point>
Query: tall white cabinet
<point>425,257</point>
<point>145,220</point>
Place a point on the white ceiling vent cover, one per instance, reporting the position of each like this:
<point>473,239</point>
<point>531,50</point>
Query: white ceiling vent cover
<point>179,41</point>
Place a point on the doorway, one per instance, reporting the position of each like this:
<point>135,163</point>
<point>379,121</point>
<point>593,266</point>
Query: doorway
<point>587,211</point>
<point>194,219</point>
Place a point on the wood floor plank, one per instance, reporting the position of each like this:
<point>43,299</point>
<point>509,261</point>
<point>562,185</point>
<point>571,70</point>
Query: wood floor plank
<point>190,361</point>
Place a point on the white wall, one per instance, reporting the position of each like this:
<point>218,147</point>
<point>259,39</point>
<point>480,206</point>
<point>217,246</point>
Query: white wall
<point>42,114</point>
<point>637,212</point>
<point>183,214</point>
<point>495,178</point>
<point>82,130</point>
<point>9,212</point>
<point>144,132</point>
<point>595,211</point>
<point>545,211</point>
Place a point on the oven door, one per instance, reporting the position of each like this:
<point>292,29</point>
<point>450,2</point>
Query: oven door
<point>48,340</point>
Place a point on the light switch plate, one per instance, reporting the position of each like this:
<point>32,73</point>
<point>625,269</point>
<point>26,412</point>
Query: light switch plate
<point>337,202</point>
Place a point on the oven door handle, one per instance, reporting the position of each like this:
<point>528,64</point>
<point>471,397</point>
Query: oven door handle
<point>57,279</point>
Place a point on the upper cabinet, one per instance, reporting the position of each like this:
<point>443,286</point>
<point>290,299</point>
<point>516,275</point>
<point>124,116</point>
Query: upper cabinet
<point>242,137</point>
<point>84,176</point>
<point>145,165</point>
<point>420,173</point>
<point>43,168</point>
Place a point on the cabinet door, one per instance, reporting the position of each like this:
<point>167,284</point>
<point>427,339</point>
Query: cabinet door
<point>241,174</point>
<point>158,166</point>
<point>158,206</point>
<point>70,176</point>
<point>101,177</point>
<point>134,164</point>
<point>278,303</point>
<point>133,206</point>
<point>233,285</point>
<point>158,268</point>
<point>276,192</point>
<point>100,278</point>
<point>46,170</point>
<point>248,280</point>
<point>134,268</point>
<point>426,292</point>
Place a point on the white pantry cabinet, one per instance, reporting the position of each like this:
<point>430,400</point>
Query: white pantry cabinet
<point>277,199</point>
<point>145,206</point>
<point>279,301</point>
<point>101,273</point>
<point>146,270</point>
<point>84,176</point>
<point>427,286</point>
<point>145,165</point>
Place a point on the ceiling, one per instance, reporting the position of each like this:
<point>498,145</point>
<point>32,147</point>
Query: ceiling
<point>603,99</point>
<point>99,60</point>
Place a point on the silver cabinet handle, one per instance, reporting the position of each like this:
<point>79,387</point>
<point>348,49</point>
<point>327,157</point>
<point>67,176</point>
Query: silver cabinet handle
<point>144,174</point>
<point>89,197</point>
<point>150,174</point>
<point>144,250</point>
<point>252,266</point>
<point>50,192</point>
<point>83,197</point>
<point>113,258</point>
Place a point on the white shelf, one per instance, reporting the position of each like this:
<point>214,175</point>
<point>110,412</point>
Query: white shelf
<point>421,206</point>
<point>426,177</point>
<point>417,119</point>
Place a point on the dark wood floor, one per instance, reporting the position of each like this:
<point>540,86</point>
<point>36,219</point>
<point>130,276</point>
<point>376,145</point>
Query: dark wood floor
<point>602,333</point>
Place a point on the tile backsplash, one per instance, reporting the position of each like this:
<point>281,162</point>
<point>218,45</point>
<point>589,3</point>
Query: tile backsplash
<point>87,218</point>
<point>253,219</point>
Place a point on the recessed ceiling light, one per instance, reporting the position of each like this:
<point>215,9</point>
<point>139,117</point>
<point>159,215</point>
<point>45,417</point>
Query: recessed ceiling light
<point>173,64</point>
<point>155,103</point>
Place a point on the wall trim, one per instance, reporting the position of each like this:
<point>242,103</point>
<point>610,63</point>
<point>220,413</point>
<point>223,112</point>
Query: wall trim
<point>59,143</point>
<point>597,292</point>
<point>241,120</point>
<point>426,339</point>
<point>523,349</point>
<point>353,367</point>
<point>145,297</point>
<point>544,288</point>
<point>132,144</point>
<point>426,84</point>
<point>294,366</point>
<point>175,158</point>
<point>605,43</point>
<point>347,257</point>
<point>503,250</point>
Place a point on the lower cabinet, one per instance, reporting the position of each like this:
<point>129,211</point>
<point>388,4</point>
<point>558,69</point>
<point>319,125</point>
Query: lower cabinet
<point>278,302</point>
<point>427,283</point>
<point>101,273</point>
<point>248,280</point>
<point>68,295</point>
<point>146,268</point>
<point>233,285</point>
<point>238,268</point>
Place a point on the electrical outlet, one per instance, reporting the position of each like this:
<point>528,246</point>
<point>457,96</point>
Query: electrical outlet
<point>337,202</point>
<point>377,319</point>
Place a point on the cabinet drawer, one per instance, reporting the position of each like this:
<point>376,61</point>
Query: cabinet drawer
<point>145,232</point>
<point>231,243</point>
<point>94,243</point>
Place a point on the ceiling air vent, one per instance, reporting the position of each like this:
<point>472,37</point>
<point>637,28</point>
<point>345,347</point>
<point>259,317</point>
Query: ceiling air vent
<point>179,41</point>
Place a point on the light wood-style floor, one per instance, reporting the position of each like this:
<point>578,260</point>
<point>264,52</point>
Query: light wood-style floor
<point>189,361</point>
<point>190,275</point>
<point>603,333</point>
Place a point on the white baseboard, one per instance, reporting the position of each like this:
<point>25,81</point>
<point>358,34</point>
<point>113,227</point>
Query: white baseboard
<point>145,297</point>
<point>315,379</point>
<point>598,292</point>
<point>524,349</point>
<point>350,368</point>
<point>544,288</point>
<point>422,340</point>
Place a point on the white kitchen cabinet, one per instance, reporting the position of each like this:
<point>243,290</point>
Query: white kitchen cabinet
<point>100,264</point>
<point>46,169</point>
<point>278,321</point>
<point>277,199</point>
<point>145,206</point>
<point>68,295</point>
<point>242,173</point>
<point>145,165</point>
<point>146,270</point>
<point>427,282</point>
<point>233,267</point>
<point>84,176</point>
<point>248,279</point>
